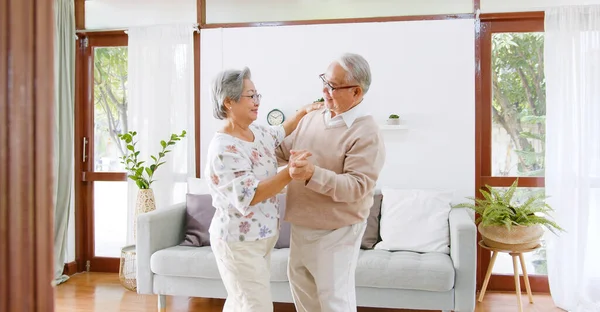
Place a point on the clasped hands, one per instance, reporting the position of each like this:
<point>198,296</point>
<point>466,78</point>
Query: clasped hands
<point>299,167</point>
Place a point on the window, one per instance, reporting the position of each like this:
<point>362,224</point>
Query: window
<point>110,107</point>
<point>511,127</point>
<point>518,104</point>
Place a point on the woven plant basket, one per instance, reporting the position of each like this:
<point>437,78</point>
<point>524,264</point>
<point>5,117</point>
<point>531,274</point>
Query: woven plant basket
<point>517,238</point>
<point>127,268</point>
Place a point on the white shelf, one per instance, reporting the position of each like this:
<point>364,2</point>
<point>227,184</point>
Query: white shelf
<point>393,127</point>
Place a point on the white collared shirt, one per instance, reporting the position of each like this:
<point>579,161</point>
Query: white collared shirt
<point>348,117</point>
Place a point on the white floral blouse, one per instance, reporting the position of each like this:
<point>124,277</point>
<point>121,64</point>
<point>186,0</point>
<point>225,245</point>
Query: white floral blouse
<point>233,170</point>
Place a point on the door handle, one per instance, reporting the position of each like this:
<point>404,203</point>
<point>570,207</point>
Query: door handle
<point>84,151</point>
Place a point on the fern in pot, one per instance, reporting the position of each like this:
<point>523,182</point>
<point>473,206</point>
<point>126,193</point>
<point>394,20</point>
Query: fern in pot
<point>141,174</point>
<point>506,224</point>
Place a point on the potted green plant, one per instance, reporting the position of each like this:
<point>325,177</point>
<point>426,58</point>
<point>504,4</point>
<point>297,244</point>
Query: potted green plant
<point>393,119</point>
<point>143,175</point>
<point>506,224</point>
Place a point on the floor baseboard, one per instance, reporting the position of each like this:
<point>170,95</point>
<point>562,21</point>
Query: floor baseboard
<point>70,268</point>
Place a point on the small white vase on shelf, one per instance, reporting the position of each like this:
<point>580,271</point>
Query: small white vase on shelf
<point>393,121</point>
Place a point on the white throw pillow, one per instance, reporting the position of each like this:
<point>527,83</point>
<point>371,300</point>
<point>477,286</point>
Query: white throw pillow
<point>415,220</point>
<point>197,186</point>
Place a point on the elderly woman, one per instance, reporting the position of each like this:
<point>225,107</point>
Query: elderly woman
<point>244,181</point>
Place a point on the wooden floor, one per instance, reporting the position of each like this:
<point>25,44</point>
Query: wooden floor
<point>102,292</point>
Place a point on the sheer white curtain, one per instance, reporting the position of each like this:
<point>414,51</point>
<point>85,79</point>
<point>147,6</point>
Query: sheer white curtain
<point>572,67</point>
<point>161,102</point>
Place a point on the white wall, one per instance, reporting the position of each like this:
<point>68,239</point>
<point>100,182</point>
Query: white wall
<point>229,11</point>
<point>495,6</point>
<point>110,14</point>
<point>429,83</point>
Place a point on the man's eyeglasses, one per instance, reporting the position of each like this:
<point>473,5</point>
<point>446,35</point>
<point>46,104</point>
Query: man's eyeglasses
<point>255,97</point>
<point>331,88</point>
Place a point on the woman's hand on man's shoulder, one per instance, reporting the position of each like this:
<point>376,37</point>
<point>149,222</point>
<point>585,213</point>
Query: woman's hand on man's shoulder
<point>311,107</point>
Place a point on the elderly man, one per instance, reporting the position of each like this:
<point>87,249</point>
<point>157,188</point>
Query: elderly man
<point>329,200</point>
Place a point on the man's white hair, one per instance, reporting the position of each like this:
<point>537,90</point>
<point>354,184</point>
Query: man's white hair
<point>357,69</point>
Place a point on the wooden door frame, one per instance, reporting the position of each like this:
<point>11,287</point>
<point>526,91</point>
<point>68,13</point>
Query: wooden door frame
<point>26,155</point>
<point>84,174</point>
<point>498,23</point>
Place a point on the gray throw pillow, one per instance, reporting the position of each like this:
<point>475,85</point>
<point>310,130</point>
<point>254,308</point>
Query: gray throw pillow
<point>284,232</point>
<point>199,213</point>
<point>371,236</point>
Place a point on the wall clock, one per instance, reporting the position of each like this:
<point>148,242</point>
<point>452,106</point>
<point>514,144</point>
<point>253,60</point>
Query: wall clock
<point>275,117</point>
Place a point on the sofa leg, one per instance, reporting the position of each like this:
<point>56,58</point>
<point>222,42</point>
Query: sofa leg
<point>162,303</point>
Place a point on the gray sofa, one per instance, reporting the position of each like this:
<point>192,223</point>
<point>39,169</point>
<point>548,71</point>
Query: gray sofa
<point>410,280</point>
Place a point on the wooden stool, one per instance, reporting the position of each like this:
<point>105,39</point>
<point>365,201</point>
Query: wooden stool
<point>514,254</point>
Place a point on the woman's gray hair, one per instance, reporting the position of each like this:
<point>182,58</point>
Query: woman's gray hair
<point>357,69</point>
<point>229,84</point>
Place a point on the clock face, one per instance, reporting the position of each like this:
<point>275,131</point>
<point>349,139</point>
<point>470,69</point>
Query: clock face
<point>275,117</point>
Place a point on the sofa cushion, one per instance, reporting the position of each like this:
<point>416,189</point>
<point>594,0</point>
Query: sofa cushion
<point>199,213</point>
<point>375,268</point>
<point>185,261</point>
<point>371,236</point>
<point>405,270</point>
<point>279,263</point>
<point>415,220</point>
<point>200,262</point>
